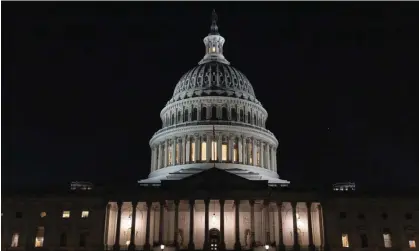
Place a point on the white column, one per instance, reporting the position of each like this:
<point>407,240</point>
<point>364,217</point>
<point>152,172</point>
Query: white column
<point>262,154</point>
<point>197,148</point>
<point>219,146</point>
<point>153,158</point>
<point>254,142</point>
<point>209,147</point>
<point>274,157</point>
<point>159,157</point>
<point>174,143</point>
<point>184,159</point>
<point>230,148</point>
<point>268,156</point>
<point>240,149</point>
<point>188,150</point>
<point>166,148</point>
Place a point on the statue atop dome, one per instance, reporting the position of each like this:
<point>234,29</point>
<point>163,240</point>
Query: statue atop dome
<point>214,27</point>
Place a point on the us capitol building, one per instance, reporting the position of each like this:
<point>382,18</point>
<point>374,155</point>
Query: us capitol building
<point>213,185</point>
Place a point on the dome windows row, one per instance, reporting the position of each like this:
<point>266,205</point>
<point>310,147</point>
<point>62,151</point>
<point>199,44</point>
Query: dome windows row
<point>213,113</point>
<point>207,148</point>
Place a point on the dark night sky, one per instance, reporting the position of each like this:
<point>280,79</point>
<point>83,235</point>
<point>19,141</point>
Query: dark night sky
<point>83,85</point>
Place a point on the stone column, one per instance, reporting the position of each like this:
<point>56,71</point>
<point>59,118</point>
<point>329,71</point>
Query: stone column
<point>281,246</point>
<point>209,147</point>
<point>175,225</point>
<point>254,157</point>
<point>191,245</point>
<point>262,154</point>
<point>237,245</point>
<point>267,225</point>
<point>147,228</point>
<point>152,159</point>
<point>188,151</point>
<point>131,245</point>
<point>240,149</point>
<point>268,159</point>
<point>220,148</point>
<point>311,246</point>
<point>252,222</point>
<point>197,148</point>
<point>323,230</point>
<point>184,149</point>
<point>106,235</point>
<point>161,222</point>
<point>272,158</point>
<point>222,241</point>
<point>116,246</point>
<point>230,157</point>
<point>206,229</point>
<point>174,144</point>
<point>166,148</point>
<point>275,165</point>
<point>160,158</point>
<point>294,226</point>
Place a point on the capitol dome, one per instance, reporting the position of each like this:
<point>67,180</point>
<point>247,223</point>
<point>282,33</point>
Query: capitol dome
<point>213,120</point>
<point>214,78</point>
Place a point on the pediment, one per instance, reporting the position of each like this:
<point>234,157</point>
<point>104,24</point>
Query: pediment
<point>215,179</point>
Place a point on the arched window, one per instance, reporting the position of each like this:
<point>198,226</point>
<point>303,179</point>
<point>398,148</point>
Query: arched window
<point>179,117</point>
<point>173,119</point>
<point>254,119</point>
<point>63,240</point>
<point>233,114</point>
<point>194,114</point>
<point>224,113</point>
<point>203,113</point>
<point>214,113</point>
<point>248,118</point>
<point>186,115</point>
<point>241,115</point>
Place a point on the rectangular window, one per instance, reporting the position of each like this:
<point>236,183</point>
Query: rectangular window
<point>224,152</point>
<point>66,214</point>
<point>192,153</point>
<point>83,239</point>
<point>250,153</point>
<point>412,244</point>
<point>258,156</point>
<point>387,240</point>
<point>214,150</point>
<point>15,240</point>
<point>345,241</point>
<point>85,214</point>
<point>204,151</point>
<point>39,239</point>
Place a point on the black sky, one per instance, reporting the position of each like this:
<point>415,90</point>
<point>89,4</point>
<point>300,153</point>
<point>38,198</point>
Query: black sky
<point>83,85</point>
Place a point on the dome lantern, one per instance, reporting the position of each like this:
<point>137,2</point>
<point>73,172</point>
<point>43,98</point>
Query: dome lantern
<point>214,44</point>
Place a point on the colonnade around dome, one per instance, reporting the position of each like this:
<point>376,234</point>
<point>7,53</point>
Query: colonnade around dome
<point>206,147</point>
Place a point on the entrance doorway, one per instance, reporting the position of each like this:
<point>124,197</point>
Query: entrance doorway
<point>214,239</point>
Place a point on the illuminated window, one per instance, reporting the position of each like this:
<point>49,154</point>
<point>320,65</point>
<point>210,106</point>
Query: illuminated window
<point>224,154</point>
<point>345,241</point>
<point>169,154</point>
<point>214,150</point>
<point>39,239</point>
<point>85,214</point>
<point>192,154</point>
<point>213,49</point>
<point>204,151</point>
<point>387,240</point>
<point>43,214</point>
<point>15,240</point>
<point>412,244</point>
<point>258,156</point>
<point>66,214</point>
